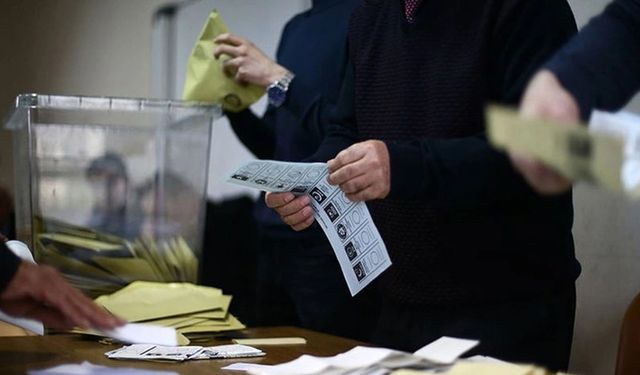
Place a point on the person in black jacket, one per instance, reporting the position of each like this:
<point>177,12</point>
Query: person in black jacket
<point>599,69</point>
<point>299,278</point>
<point>40,292</point>
<point>476,253</point>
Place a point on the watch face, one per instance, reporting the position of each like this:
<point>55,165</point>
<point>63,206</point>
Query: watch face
<point>276,95</point>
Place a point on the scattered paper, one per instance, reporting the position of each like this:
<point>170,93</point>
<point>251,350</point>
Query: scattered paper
<point>183,353</point>
<point>348,225</point>
<point>446,350</point>
<point>87,368</point>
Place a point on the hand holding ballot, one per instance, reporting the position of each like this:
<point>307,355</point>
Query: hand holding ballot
<point>546,99</point>
<point>41,293</point>
<point>246,63</point>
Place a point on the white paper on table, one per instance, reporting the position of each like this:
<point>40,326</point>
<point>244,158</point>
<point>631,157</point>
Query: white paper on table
<point>246,367</point>
<point>446,350</point>
<point>625,125</point>
<point>87,368</point>
<point>183,353</point>
<point>133,333</point>
<point>154,352</point>
<point>22,250</point>
<point>303,365</point>
<point>355,240</point>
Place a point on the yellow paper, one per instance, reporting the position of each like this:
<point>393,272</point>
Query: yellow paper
<point>475,368</point>
<point>568,148</point>
<point>143,300</point>
<point>206,81</point>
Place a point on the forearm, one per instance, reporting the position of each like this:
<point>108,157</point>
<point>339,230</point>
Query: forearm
<point>600,67</point>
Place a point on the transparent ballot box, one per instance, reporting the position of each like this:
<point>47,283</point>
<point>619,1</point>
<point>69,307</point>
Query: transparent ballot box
<point>112,190</point>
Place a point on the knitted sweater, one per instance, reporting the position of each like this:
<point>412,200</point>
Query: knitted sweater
<point>461,226</point>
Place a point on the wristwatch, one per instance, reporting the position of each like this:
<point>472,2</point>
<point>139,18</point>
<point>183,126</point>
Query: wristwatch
<point>277,91</point>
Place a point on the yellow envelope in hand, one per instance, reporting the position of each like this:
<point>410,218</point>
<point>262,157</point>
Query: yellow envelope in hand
<point>206,81</point>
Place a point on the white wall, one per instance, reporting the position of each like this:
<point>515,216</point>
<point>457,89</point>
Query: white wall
<point>607,236</point>
<point>88,47</point>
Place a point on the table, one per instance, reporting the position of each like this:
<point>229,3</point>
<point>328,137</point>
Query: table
<point>20,354</point>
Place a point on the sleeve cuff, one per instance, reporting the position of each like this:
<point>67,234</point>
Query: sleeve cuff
<point>9,264</point>
<point>408,174</point>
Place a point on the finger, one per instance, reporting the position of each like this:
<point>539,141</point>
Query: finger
<point>275,200</point>
<point>298,217</point>
<point>230,67</point>
<point>225,49</point>
<point>349,172</point>
<point>304,225</point>
<point>356,184</point>
<point>228,38</point>
<point>347,156</point>
<point>294,206</point>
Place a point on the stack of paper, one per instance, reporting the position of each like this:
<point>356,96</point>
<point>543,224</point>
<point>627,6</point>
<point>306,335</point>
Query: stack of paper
<point>99,263</point>
<point>194,311</point>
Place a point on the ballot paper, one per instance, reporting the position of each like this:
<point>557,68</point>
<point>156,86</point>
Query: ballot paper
<point>481,368</point>
<point>367,360</point>
<point>570,149</point>
<point>143,333</point>
<point>183,353</point>
<point>446,350</point>
<point>625,125</point>
<point>87,368</point>
<point>348,225</point>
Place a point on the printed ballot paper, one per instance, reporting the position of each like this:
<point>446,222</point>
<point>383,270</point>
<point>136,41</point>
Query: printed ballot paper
<point>183,353</point>
<point>348,225</point>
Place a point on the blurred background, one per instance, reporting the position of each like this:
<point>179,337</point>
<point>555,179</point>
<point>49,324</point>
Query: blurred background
<point>139,49</point>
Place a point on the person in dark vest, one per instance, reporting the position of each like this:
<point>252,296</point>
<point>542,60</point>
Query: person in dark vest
<point>299,278</point>
<point>476,253</point>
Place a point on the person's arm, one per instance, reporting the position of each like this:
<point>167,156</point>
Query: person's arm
<point>40,292</point>
<point>600,67</point>
<point>464,172</point>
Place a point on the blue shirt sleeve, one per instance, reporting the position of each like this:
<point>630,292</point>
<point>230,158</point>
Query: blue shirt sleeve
<point>600,67</point>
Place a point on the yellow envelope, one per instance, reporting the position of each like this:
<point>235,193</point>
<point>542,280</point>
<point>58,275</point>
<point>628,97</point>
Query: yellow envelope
<point>206,81</point>
<point>143,300</point>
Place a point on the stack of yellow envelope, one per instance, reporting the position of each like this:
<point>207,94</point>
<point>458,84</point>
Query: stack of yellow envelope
<point>194,311</point>
<point>99,263</point>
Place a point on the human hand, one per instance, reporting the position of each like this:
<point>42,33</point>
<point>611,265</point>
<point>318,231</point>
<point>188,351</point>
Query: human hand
<point>545,98</point>
<point>294,211</point>
<point>40,292</point>
<point>247,63</point>
<point>362,171</point>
